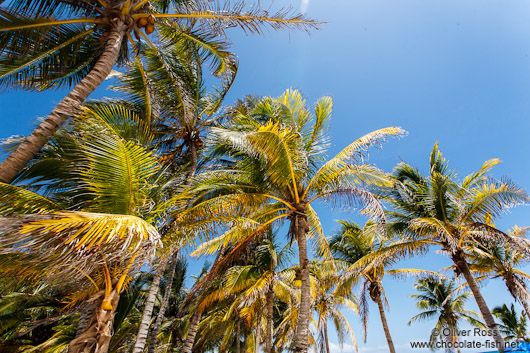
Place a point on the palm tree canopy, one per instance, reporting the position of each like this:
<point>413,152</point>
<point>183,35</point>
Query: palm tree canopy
<point>439,299</point>
<point>449,211</point>
<point>513,326</point>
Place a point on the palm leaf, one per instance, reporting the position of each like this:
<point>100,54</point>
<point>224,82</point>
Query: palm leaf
<point>17,200</point>
<point>72,244</point>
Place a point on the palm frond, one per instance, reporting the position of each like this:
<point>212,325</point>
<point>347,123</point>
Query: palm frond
<point>17,200</point>
<point>73,244</point>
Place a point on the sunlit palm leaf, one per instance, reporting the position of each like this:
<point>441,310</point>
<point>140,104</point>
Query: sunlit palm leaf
<point>72,244</point>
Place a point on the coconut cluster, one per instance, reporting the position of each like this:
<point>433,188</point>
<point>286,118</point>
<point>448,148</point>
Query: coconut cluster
<point>148,23</point>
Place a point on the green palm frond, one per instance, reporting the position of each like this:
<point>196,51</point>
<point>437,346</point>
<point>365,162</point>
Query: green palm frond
<point>50,7</point>
<point>268,143</point>
<point>492,199</point>
<point>209,47</point>
<point>17,200</point>
<point>318,140</point>
<point>316,233</point>
<point>116,119</point>
<point>40,58</point>
<point>479,176</point>
<point>116,172</point>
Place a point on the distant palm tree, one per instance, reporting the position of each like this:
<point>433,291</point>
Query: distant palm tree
<point>328,303</point>
<point>512,326</point>
<point>363,254</point>
<point>53,43</point>
<point>253,286</point>
<point>439,300</point>
<point>280,171</point>
<point>440,210</point>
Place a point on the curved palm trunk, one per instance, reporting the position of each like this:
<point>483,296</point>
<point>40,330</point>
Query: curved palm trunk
<point>463,267</point>
<point>192,331</point>
<point>326,339</point>
<point>301,338</point>
<point>147,314</point>
<point>165,301</point>
<point>18,159</point>
<point>385,323</point>
<point>97,336</point>
<point>269,308</point>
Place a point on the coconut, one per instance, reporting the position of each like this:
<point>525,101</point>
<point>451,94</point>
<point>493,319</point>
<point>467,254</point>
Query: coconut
<point>102,38</point>
<point>142,22</point>
<point>151,19</point>
<point>150,28</point>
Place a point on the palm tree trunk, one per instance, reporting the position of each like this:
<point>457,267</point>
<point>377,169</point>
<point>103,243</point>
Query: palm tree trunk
<point>20,157</point>
<point>385,323</point>
<point>84,318</point>
<point>512,288</point>
<point>463,267</point>
<point>238,333</point>
<point>165,302</point>
<point>147,314</point>
<point>326,339</point>
<point>525,305</point>
<point>301,338</point>
<point>269,307</point>
<point>97,336</point>
<point>258,333</point>
<point>192,331</point>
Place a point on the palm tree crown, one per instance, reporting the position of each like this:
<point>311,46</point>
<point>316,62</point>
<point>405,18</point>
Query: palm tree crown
<point>439,299</point>
<point>278,149</point>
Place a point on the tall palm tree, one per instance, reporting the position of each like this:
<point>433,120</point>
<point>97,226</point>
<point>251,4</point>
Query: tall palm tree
<point>45,44</point>
<point>253,285</point>
<point>441,210</point>
<point>501,260</point>
<point>172,98</point>
<point>439,300</point>
<point>96,170</point>
<point>367,255</point>
<point>278,149</point>
<point>512,326</point>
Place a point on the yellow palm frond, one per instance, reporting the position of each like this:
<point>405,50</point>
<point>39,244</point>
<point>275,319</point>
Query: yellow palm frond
<point>69,244</point>
<point>316,233</point>
<point>239,231</point>
<point>355,152</point>
<point>492,199</point>
<point>480,176</point>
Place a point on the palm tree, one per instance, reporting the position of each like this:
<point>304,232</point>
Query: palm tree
<point>439,300</point>
<point>91,36</point>
<point>253,285</point>
<point>513,327</point>
<point>96,170</point>
<point>364,254</point>
<point>171,97</point>
<point>501,260</point>
<point>440,210</point>
<point>278,147</point>
<point>328,303</point>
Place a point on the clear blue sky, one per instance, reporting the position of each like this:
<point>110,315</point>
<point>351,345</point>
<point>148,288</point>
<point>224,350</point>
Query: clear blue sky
<point>453,72</point>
